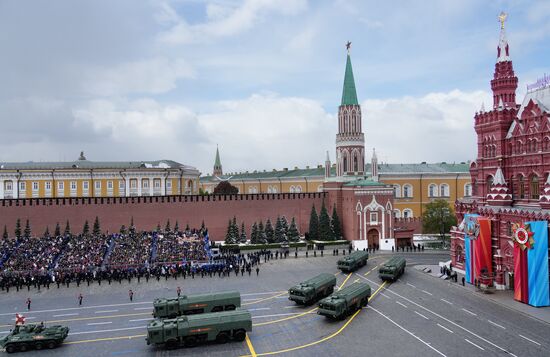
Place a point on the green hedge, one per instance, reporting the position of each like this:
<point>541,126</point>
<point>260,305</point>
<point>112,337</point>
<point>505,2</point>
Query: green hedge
<point>261,246</point>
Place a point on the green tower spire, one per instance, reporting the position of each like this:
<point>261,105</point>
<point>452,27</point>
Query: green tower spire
<point>217,164</point>
<point>349,95</point>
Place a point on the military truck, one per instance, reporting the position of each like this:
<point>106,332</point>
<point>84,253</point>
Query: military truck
<point>34,336</point>
<point>193,329</point>
<point>353,261</point>
<point>344,302</point>
<point>313,289</point>
<point>196,304</point>
<point>392,269</point>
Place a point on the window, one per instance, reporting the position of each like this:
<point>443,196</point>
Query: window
<point>169,184</point>
<point>534,187</point>
<point>489,182</point>
<point>145,183</point>
<point>407,191</point>
<point>355,163</point>
<point>48,185</point>
<point>274,189</point>
<point>397,191</point>
<point>509,229</point>
<point>407,213</point>
<point>292,189</point>
<point>521,187</point>
<point>252,189</point>
<point>156,183</point>
<point>133,183</point>
<point>121,185</point>
<point>109,185</point>
<point>8,185</point>
<point>85,185</point>
<point>60,186</point>
<point>22,186</point>
<point>396,213</point>
<point>467,190</point>
<point>374,217</point>
<point>320,188</point>
<point>298,189</point>
<point>73,185</point>
<point>444,189</point>
<point>35,186</point>
<point>97,185</point>
<point>432,190</point>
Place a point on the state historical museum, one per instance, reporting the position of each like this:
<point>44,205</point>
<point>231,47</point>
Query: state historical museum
<point>503,238</point>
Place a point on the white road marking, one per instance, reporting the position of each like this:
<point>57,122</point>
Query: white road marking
<point>411,285</point>
<point>61,315</point>
<point>446,301</point>
<point>291,307</point>
<point>449,321</point>
<point>5,331</point>
<point>282,297</point>
<point>473,344</point>
<point>266,293</point>
<point>99,323</point>
<point>444,328</point>
<point>147,319</point>
<point>407,331</point>
<point>418,313</point>
<point>427,292</point>
<point>468,311</point>
<point>528,339</point>
<point>251,299</point>
<point>400,303</point>
<point>30,318</point>
<point>260,308</point>
<point>386,296</point>
<point>110,330</point>
<point>105,311</point>
<point>497,325</point>
<point>275,315</point>
<point>142,308</point>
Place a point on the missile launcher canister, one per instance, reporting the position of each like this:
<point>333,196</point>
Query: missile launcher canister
<point>313,289</point>
<point>354,261</point>
<point>392,269</point>
<point>196,304</point>
<point>344,302</point>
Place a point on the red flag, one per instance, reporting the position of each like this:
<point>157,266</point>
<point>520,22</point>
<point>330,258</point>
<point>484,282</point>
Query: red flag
<point>19,319</point>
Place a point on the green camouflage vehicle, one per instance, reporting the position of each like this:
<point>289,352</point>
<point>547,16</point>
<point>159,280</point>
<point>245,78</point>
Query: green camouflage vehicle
<point>193,329</point>
<point>313,289</point>
<point>196,304</point>
<point>344,302</point>
<point>34,336</point>
<point>353,261</point>
<point>392,269</point>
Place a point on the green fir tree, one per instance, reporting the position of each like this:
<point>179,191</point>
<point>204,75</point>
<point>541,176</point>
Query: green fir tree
<point>335,225</point>
<point>47,232</point>
<point>57,231</point>
<point>86,228</point>
<point>262,237</point>
<point>177,227</point>
<point>325,232</point>
<point>279,231</point>
<point>254,234</point>
<point>313,233</point>
<point>132,228</point>
<point>97,227</point>
<point>293,233</point>
<point>269,231</point>
<point>5,234</point>
<point>27,229</point>
<point>230,237</point>
<point>67,229</point>
<point>167,228</point>
<point>123,229</point>
<point>18,228</point>
<point>243,237</point>
<point>285,225</point>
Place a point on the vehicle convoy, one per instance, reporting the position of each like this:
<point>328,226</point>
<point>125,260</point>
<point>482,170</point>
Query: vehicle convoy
<point>196,304</point>
<point>313,289</point>
<point>353,261</point>
<point>34,336</point>
<point>392,269</point>
<point>344,302</point>
<point>193,329</point>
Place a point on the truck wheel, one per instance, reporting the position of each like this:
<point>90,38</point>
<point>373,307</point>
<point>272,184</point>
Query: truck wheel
<point>229,307</point>
<point>23,347</point>
<point>171,344</point>
<point>239,335</point>
<point>222,338</point>
<point>51,344</point>
<point>330,290</point>
<point>190,342</point>
<point>10,349</point>
<point>38,346</point>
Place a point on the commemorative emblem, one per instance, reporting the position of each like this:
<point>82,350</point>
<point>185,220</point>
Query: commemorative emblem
<point>470,226</point>
<point>522,235</point>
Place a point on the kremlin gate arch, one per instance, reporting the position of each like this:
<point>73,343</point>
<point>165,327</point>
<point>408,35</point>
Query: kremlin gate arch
<point>373,237</point>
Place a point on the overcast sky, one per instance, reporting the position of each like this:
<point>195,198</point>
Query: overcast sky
<point>146,80</point>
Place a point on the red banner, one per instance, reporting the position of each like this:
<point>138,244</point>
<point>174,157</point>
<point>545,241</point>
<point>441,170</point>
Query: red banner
<point>482,248</point>
<point>521,292</point>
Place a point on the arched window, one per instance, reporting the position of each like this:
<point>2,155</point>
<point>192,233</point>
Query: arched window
<point>345,162</point>
<point>489,182</point>
<point>467,190</point>
<point>397,190</point>
<point>407,213</point>
<point>355,163</point>
<point>298,189</point>
<point>397,213</point>
<point>320,188</point>
<point>546,144</point>
<point>292,189</point>
<point>521,186</point>
<point>534,187</point>
<point>459,254</point>
<point>432,190</point>
<point>407,190</point>
<point>444,190</point>
<point>274,189</point>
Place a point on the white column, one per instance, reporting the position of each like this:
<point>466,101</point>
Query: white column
<point>360,225</point>
<point>365,232</point>
<point>139,186</point>
<point>151,185</point>
<point>383,234</point>
<point>163,186</point>
<point>15,188</point>
<point>126,186</point>
<point>2,189</point>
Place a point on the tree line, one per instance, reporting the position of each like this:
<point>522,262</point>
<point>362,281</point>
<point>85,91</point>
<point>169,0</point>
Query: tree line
<point>322,227</point>
<point>262,234</point>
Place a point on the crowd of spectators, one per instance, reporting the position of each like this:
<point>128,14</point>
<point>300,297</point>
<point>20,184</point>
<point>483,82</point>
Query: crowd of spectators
<point>189,244</point>
<point>33,255</point>
<point>84,252</point>
<point>132,250</point>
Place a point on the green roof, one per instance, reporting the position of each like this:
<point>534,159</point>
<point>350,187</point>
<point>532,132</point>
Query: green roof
<point>85,164</point>
<point>349,95</point>
<point>364,183</point>
<point>218,162</point>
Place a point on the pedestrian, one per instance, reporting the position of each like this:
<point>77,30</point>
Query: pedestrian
<point>131,295</point>
<point>178,291</point>
<point>463,281</point>
<point>257,271</point>
<point>28,303</point>
<point>80,297</point>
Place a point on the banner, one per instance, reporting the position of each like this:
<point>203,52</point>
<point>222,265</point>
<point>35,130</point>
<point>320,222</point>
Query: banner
<point>471,234</point>
<point>531,282</point>
<point>482,248</point>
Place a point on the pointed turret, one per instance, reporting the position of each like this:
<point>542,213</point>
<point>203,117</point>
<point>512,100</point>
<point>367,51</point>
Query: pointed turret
<point>349,94</point>
<point>499,195</point>
<point>374,165</point>
<point>217,164</point>
<point>327,166</point>
<point>505,82</point>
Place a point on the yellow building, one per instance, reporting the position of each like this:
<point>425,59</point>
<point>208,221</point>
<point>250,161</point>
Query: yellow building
<point>83,178</point>
<point>415,184</point>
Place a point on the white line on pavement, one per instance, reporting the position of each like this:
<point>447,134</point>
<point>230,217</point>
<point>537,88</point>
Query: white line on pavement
<point>449,321</point>
<point>99,323</point>
<point>473,344</point>
<point>5,331</point>
<point>61,315</point>
<point>386,296</point>
<point>105,311</point>
<point>291,307</point>
<point>419,314</point>
<point>251,299</point>
<point>147,319</point>
<point>528,339</point>
<point>266,293</point>
<point>444,328</point>
<point>446,301</point>
<point>110,330</point>
<point>427,292</point>
<point>411,285</point>
<point>275,315</point>
<point>400,303</point>
<point>468,311</point>
<point>497,325</point>
<point>260,308</point>
<point>142,308</point>
<point>407,331</point>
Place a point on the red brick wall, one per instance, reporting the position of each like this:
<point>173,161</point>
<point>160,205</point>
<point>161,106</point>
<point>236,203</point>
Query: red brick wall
<point>149,211</point>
